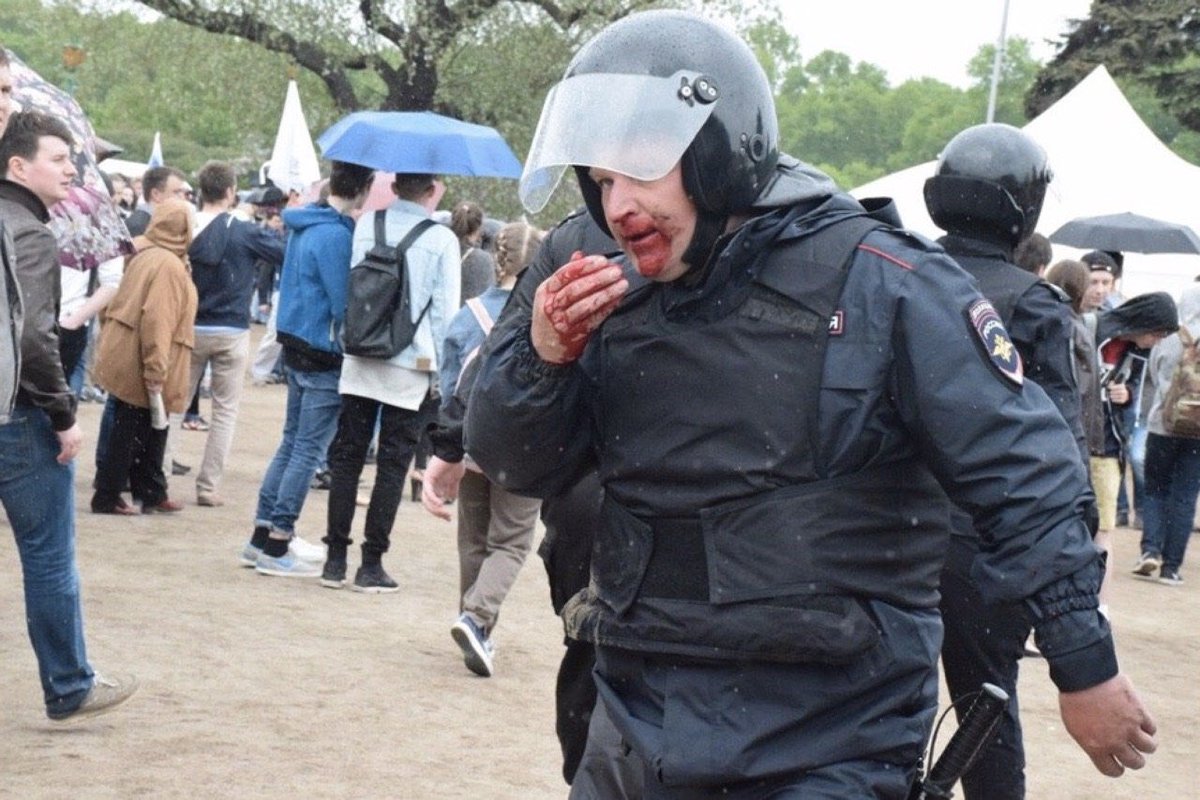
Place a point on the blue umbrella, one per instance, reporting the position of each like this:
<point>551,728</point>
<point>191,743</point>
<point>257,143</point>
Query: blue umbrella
<point>420,142</point>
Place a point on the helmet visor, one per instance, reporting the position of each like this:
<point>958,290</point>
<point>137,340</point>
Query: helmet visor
<point>637,125</point>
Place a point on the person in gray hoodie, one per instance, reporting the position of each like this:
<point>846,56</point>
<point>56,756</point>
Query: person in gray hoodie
<point>1172,461</point>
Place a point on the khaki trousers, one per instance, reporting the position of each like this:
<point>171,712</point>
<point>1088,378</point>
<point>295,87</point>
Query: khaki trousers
<point>495,534</point>
<point>228,355</point>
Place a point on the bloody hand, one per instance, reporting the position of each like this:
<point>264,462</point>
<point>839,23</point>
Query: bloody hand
<point>572,303</point>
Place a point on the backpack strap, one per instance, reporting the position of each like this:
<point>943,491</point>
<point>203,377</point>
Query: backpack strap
<point>413,234</point>
<point>401,248</point>
<point>481,314</point>
<point>380,226</point>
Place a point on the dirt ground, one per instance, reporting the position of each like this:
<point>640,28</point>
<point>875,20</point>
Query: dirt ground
<point>256,687</point>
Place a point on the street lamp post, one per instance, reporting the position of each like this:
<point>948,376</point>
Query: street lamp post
<point>997,62</point>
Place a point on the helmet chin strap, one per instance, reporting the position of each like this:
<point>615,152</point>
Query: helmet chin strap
<point>709,228</point>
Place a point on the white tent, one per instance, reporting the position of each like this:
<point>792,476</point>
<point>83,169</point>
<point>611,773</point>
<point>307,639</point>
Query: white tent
<point>130,169</point>
<point>1105,161</point>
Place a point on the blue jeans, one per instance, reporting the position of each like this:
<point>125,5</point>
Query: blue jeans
<point>1172,483</point>
<point>38,495</point>
<point>312,413</point>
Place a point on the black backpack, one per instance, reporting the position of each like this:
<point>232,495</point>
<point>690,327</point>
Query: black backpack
<point>379,320</point>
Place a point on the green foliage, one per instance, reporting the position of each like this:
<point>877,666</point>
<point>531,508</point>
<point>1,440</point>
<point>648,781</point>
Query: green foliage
<point>1155,43</point>
<point>210,96</point>
<point>846,119</point>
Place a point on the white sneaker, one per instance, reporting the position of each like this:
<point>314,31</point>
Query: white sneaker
<point>286,566</point>
<point>306,550</point>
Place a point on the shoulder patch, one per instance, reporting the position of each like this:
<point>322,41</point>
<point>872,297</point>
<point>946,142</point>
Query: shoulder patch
<point>998,347</point>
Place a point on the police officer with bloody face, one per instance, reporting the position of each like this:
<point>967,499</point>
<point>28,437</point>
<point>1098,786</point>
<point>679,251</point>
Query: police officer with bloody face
<point>987,194</point>
<point>775,404</point>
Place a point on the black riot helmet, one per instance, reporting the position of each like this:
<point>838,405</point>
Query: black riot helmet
<point>651,90</point>
<point>990,183</point>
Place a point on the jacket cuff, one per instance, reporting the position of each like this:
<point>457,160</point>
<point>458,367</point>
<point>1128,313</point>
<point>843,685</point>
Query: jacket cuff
<point>1084,668</point>
<point>62,420</point>
<point>446,441</point>
<point>530,366</point>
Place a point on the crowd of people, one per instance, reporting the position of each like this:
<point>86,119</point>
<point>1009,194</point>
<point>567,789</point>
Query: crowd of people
<point>731,392</point>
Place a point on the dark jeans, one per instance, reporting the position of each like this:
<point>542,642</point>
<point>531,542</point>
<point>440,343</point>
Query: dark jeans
<point>982,643</point>
<point>105,433</point>
<point>1172,483</point>
<point>38,495</point>
<point>71,347</point>
<point>397,439</point>
<point>135,449</point>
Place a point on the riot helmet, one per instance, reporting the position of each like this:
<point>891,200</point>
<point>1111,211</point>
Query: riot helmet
<point>989,184</point>
<point>652,90</point>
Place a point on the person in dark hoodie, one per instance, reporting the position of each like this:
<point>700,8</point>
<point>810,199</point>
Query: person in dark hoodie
<point>1123,336</point>
<point>224,256</point>
<point>312,307</point>
<point>776,414</point>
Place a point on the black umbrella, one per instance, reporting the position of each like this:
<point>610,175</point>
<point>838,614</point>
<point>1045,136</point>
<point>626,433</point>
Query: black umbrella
<point>1127,233</point>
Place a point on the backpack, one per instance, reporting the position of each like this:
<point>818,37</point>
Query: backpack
<point>1181,402</point>
<point>379,321</point>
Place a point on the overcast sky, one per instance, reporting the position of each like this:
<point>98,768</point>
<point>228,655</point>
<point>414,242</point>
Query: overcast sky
<point>915,38</point>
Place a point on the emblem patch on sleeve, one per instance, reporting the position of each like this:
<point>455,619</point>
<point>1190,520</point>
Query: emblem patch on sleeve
<point>997,345</point>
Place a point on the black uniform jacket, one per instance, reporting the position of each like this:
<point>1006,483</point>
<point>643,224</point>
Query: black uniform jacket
<point>915,368</point>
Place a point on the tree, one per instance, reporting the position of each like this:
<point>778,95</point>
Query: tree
<point>1153,41</point>
<point>387,56</point>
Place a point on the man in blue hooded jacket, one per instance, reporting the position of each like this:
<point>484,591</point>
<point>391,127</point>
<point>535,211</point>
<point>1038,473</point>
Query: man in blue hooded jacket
<point>312,307</point>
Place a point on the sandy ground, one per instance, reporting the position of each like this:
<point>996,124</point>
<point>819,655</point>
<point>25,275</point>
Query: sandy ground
<point>256,687</point>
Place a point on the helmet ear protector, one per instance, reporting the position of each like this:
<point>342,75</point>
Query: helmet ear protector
<point>975,207</point>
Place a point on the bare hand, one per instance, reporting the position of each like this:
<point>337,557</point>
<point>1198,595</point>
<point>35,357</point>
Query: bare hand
<point>1111,725</point>
<point>572,303</point>
<point>69,442</point>
<point>1118,393</point>
<point>153,386</point>
<point>70,322</point>
<point>440,485</point>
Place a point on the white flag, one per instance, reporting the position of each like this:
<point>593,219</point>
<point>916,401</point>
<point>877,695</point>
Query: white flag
<point>293,164</point>
<point>156,159</point>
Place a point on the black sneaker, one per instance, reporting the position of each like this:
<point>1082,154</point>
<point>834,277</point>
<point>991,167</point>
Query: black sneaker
<point>373,580</point>
<point>322,480</point>
<point>333,576</point>
<point>1170,577</point>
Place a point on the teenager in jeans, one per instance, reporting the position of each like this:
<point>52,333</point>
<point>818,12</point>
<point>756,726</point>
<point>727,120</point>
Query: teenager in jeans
<point>310,313</point>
